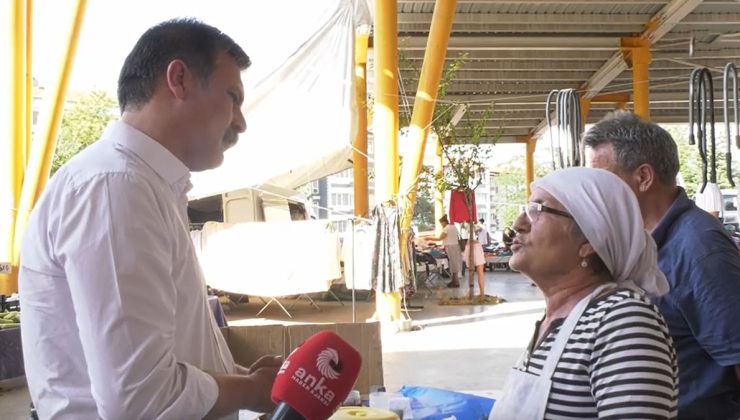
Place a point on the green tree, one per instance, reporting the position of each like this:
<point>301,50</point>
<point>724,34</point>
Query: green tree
<point>690,160</point>
<point>424,209</point>
<point>82,124</point>
<point>510,193</point>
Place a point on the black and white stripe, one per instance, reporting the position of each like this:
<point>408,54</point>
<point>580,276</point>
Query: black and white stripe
<point>618,363</point>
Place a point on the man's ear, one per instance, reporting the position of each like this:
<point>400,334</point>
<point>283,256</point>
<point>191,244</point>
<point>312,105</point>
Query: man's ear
<point>644,177</point>
<point>178,77</point>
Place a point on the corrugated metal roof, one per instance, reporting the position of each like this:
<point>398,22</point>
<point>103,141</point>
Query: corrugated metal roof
<point>520,50</point>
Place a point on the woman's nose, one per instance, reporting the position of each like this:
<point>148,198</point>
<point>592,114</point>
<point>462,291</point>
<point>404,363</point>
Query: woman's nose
<point>520,223</point>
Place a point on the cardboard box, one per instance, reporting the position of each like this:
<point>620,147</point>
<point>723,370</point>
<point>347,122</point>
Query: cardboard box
<point>248,343</point>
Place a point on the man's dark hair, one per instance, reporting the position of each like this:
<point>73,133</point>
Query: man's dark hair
<point>186,39</point>
<point>481,220</point>
<point>636,142</point>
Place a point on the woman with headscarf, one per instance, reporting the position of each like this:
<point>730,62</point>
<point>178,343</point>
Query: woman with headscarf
<point>602,350</point>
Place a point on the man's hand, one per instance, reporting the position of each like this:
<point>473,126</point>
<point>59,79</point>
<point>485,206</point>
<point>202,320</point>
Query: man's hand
<point>262,379</point>
<point>266,361</point>
<point>248,388</point>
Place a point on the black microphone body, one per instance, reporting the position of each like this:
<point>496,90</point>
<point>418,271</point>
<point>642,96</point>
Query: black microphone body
<point>285,412</point>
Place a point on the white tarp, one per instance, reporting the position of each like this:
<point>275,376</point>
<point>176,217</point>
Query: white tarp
<point>299,98</point>
<point>269,258</point>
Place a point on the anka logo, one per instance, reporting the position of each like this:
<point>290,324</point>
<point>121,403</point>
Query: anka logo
<point>329,367</point>
<point>328,363</point>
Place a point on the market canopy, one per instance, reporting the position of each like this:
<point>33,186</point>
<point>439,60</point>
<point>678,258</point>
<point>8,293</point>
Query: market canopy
<point>299,100</point>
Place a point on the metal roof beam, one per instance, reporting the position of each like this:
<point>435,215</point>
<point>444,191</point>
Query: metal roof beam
<point>610,2</point>
<point>530,55</point>
<point>584,30</point>
<point>518,43</point>
<point>479,66</point>
<point>660,24</point>
<point>533,75</point>
<point>529,19</point>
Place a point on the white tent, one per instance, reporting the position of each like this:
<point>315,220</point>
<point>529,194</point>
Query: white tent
<point>299,99</point>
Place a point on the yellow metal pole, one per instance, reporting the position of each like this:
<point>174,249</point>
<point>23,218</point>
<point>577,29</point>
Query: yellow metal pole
<point>359,154</point>
<point>29,83</point>
<point>637,54</point>
<point>439,206</point>
<point>585,107</point>
<point>529,170</point>
<point>10,190</point>
<point>42,150</point>
<point>426,96</point>
<point>385,127</point>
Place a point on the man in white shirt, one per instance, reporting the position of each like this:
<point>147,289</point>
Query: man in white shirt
<point>483,236</point>
<point>115,319</point>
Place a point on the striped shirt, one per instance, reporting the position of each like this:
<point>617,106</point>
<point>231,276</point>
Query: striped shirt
<point>618,363</point>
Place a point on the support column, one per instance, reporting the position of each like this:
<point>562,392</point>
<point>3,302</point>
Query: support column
<point>529,169</point>
<point>359,154</point>
<point>426,97</point>
<point>585,108</point>
<point>42,150</point>
<point>385,127</point>
<point>636,52</point>
<point>14,118</point>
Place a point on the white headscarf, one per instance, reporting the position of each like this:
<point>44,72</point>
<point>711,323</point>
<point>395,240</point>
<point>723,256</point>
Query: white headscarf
<point>608,214</point>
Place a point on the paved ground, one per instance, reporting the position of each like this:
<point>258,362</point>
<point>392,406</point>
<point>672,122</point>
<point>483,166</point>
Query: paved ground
<point>458,347</point>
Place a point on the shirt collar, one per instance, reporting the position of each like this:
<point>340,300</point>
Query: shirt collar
<point>161,160</point>
<point>680,205</point>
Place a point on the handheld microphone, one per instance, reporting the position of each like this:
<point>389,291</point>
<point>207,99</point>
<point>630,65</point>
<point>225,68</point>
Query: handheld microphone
<point>315,379</point>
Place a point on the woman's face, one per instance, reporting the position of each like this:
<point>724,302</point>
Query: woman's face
<point>545,244</point>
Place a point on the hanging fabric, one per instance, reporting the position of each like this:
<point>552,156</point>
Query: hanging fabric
<point>458,209</point>
<point>387,274</point>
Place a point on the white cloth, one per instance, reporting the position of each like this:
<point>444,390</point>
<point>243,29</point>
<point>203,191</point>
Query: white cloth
<point>357,254</point>
<point>608,214</point>
<point>479,258</point>
<point>525,395</point>
<point>710,200</point>
<point>116,324</point>
<point>483,236</point>
<point>451,237</point>
<point>251,258</point>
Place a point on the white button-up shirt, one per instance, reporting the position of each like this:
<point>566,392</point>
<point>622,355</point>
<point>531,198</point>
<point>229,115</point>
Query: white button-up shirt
<point>115,319</point>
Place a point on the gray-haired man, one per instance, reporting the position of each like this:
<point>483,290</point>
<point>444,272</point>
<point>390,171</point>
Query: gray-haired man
<point>699,259</point>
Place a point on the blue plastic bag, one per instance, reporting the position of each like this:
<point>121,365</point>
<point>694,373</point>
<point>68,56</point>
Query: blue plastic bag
<point>437,404</point>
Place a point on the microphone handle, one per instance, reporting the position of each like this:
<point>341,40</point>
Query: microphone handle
<point>285,412</point>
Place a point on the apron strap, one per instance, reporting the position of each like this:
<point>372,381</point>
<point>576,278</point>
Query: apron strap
<point>553,356</point>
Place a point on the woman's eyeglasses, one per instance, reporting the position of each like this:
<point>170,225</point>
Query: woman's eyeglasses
<point>533,211</point>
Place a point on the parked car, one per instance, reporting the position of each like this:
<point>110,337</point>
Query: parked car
<point>729,206</point>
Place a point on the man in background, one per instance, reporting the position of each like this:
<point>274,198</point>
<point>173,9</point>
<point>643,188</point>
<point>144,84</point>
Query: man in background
<point>696,254</point>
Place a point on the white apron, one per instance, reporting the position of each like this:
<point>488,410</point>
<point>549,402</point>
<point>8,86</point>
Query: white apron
<point>525,395</point>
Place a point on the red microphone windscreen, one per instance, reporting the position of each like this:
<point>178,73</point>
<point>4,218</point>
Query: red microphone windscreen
<point>317,377</point>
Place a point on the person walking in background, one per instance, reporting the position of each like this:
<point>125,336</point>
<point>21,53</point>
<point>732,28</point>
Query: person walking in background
<point>696,254</point>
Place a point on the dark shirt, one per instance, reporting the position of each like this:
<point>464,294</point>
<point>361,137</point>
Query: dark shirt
<point>702,309</point>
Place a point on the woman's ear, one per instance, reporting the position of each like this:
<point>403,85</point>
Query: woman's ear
<point>585,250</point>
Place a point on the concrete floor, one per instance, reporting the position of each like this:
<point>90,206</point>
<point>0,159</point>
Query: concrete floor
<point>465,348</point>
